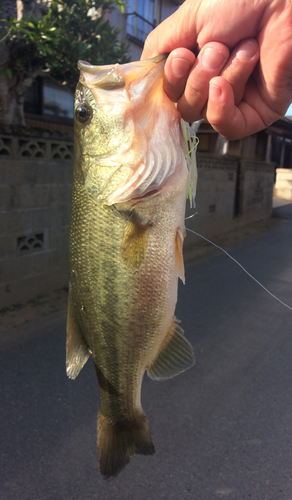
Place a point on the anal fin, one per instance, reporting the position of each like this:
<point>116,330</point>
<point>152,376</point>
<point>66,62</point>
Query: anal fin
<point>76,349</point>
<point>175,357</point>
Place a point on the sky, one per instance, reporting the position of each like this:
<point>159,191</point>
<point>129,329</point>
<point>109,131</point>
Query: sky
<point>289,111</point>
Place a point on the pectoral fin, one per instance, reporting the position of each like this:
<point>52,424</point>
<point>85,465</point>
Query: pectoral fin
<point>179,259</point>
<point>76,349</point>
<point>175,356</point>
<point>134,245</point>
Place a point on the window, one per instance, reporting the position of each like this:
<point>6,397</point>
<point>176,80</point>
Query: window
<point>57,101</point>
<point>140,20</point>
<point>49,101</point>
<point>33,98</point>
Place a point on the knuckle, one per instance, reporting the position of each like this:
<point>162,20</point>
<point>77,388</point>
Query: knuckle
<point>196,92</point>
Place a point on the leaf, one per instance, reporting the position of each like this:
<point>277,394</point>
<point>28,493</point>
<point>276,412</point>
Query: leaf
<point>9,73</point>
<point>23,30</point>
<point>62,36</point>
<point>31,36</point>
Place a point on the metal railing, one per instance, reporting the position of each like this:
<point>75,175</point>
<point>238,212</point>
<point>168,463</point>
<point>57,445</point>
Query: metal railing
<point>138,27</point>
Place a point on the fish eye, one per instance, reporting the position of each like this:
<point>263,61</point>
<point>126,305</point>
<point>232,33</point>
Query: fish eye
<point>83,112</point>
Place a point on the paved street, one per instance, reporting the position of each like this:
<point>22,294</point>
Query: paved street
<point>222,430</point>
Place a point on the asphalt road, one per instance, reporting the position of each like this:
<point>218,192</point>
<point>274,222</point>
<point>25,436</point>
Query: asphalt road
<point>222,430</point>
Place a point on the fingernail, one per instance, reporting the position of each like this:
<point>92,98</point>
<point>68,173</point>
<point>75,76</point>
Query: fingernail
<point>180,67</point>
<point>212,58</point>
<point>246,51</point>
<point>214,92</point>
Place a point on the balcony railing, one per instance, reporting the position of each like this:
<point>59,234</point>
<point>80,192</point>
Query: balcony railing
<point>138,28</point>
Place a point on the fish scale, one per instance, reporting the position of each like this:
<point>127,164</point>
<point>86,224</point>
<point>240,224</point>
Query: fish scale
<point>125,249</point>
<point>106,309</point>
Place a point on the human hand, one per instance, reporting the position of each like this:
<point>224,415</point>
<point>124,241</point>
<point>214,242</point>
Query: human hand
<point>237,104</point>
<point>197,99</point>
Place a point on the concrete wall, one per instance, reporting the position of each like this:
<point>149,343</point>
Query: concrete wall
<point>215,196</point>
<point>283,186</point>
<point>231,193</point>
<point>35,204</point>
<point>256,189</point>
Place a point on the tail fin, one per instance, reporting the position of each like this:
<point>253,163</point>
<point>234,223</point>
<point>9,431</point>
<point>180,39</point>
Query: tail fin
<point>118,441</point>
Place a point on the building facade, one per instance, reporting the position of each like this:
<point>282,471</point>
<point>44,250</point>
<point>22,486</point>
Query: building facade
<point>141,17</point>
<point>272,145</point>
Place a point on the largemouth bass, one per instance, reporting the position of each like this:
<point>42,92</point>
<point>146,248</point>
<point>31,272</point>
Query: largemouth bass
<point>126,247</point>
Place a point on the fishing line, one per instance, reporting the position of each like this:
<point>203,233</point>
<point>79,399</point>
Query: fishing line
<point>191,216</point>
<point>236,262</point>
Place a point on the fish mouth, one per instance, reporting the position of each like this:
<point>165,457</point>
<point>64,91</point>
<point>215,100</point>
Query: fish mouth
<point>91,68</point>
<point>115,76</point>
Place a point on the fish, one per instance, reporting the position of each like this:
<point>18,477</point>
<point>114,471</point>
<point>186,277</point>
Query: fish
<point>126,247</point>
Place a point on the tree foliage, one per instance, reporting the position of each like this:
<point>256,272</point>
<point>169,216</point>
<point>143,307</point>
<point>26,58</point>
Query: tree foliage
<point>71,30</point>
